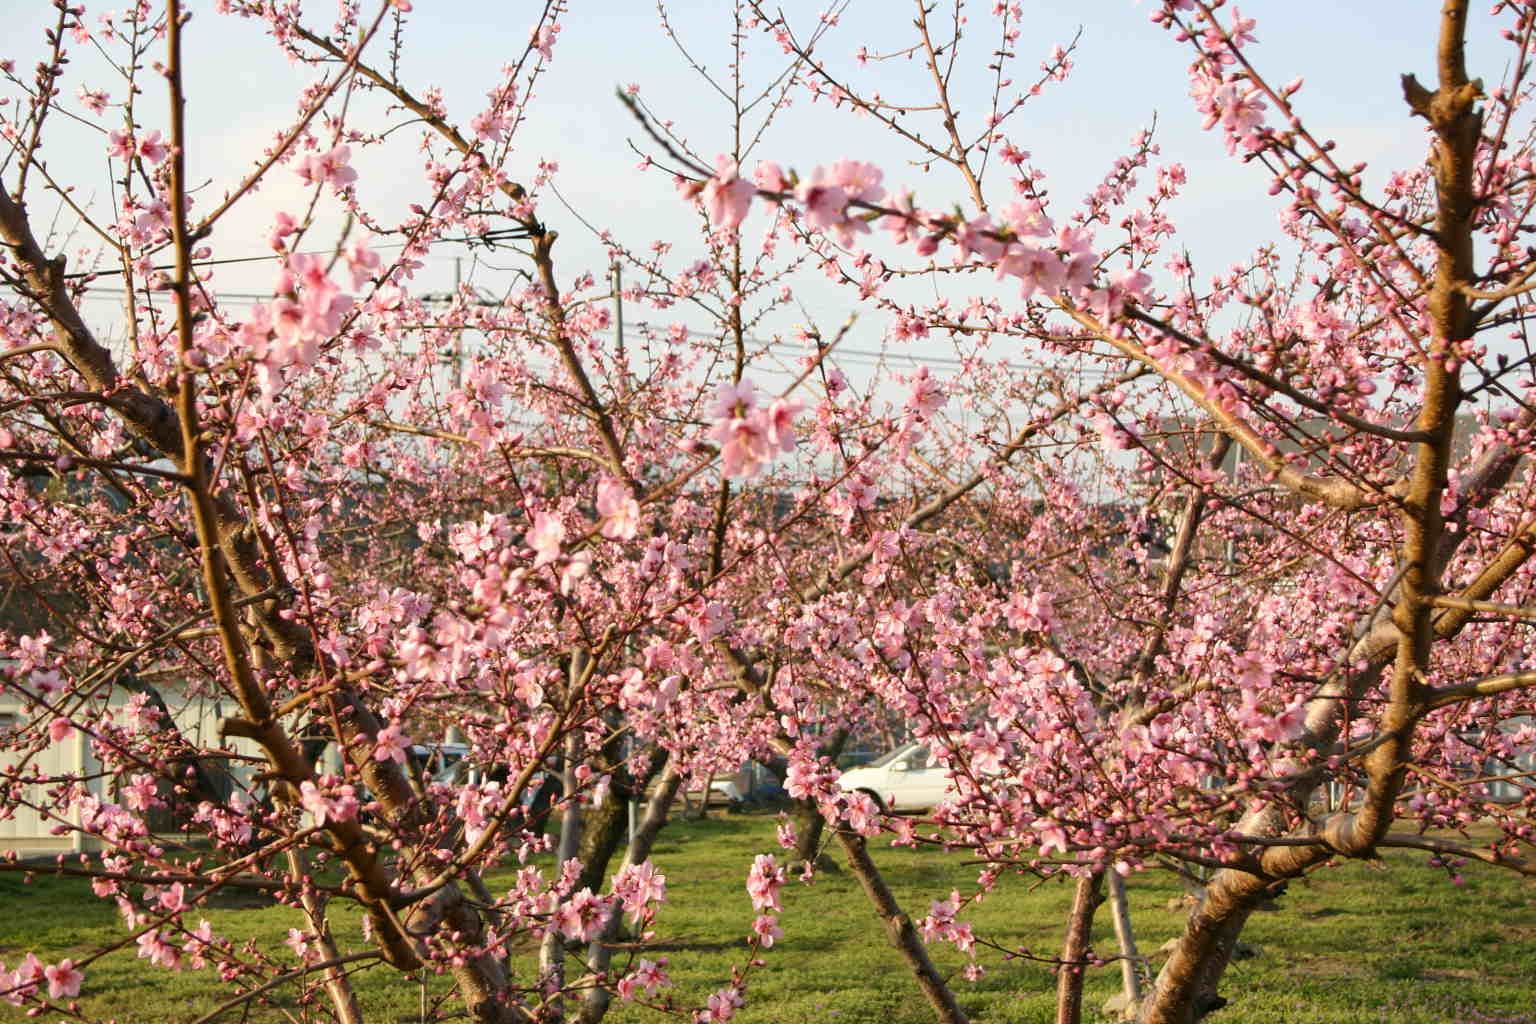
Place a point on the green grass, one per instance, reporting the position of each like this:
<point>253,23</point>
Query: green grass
<point>1355,944</point>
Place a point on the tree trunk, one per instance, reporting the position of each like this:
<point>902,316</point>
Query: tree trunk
<point>810,824</point>
<point>1185,989</point>
<point>603,826</point>
<point>1074,949</point>
<point>337,983</point>
<point>234,561</point>
<point>1125,936</point>
<point>898,926</point>
<point>602,830</point>
<point>594,1005</point>
<point>899,929</point>
<point>552,951</point>
<point>702,811</point>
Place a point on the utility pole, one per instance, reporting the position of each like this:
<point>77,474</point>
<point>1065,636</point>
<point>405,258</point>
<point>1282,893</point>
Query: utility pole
<point>618,309</point>
<point>620,356</point>
<point>458,338</point>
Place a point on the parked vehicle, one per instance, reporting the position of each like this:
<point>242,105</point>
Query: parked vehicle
<point>444,762</point>
<point>752,783</point>
<point>857,757</point>
<point>901,780</point>
<point>722,792</point>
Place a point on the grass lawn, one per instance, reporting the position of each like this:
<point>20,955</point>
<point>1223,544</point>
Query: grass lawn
<point>1356,944</point>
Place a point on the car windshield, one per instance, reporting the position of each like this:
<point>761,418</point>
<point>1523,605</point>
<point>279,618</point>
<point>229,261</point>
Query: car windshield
<point>454,771</point>
<point>901,753</point>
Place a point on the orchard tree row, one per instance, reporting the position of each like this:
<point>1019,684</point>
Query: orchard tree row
<point>1226,572</point>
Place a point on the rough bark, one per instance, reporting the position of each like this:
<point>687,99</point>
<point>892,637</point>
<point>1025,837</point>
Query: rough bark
<point>701,812</point>
<point>900,930</point>
<point>338,985</point>
<point>231,549</point>
<point>232,557</point>
<point>552,950</point>
<point>1075,947</point>
<point>1186,988</point>
<point>810,828</point>
<point>602,830</point>
<point>810,823</point>
<point>1125,937</point>
<point>603,826</point>
<point>594,1005</point>
<point>898,926</point>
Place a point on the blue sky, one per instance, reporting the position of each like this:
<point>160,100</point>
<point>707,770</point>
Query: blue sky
<point>1128,72</point>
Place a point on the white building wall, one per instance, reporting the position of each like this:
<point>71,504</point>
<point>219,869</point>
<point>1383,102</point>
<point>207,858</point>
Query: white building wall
<point>27,832</point>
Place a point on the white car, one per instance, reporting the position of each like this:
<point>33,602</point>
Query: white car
<point>901,780</point>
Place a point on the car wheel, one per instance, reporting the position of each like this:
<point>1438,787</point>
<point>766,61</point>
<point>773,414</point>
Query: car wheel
<point>879,803</point>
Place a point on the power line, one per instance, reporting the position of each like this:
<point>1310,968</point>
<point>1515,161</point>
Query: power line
<point>841,354</point>
<point>115,272</point>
